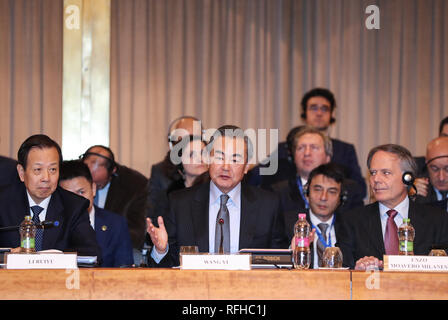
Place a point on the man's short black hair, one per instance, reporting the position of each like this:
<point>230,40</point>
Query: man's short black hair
<point>74,169</point>
<point>329,170</point>
<point>232,132</point>
<point>40,141</point>
<point>318,92</point>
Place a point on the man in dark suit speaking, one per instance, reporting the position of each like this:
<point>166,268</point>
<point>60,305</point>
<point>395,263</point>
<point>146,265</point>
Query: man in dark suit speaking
<point>37,194</point>
<point>223,215</point>
<point>369,232</point>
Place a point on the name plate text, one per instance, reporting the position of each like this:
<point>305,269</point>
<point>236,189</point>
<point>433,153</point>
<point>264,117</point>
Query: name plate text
<point>215,261</point>
<point>416,263</point>
<point>41,261</point>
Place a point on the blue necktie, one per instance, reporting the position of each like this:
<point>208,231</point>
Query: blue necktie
<point>39,232</point>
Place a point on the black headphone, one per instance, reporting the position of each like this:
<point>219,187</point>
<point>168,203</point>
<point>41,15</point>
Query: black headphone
<point>172,139</point>
<point>408,179</point>
<point>343,197</point>
<point>110,164</point>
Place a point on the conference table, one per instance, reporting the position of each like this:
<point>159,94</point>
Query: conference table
<point>256,284</point>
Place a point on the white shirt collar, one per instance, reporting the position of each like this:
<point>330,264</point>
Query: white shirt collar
<point>92,217</point>
<point>44,203</point>
<point>234,194</point>
<point>402,208</point>
<point>315,220</point>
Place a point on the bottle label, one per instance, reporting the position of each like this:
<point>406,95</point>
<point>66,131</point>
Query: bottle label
<point>302,242</point>
<point>406,246</point>
<point>28,243</point>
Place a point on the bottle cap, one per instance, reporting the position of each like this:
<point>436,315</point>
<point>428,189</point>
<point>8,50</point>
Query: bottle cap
<point>302,215</point>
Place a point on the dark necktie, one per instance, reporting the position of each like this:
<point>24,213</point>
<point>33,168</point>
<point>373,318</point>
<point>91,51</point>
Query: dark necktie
<point>443,193</point>
<point>222,230</point>
<point>321,246</point>
<point>391,234</point>
<point>38,240</point>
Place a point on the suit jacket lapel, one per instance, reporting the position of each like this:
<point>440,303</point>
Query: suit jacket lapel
<point>22,205</point>
<point>248,219</point>
<point>54,213</point>
<point>200,217</point>
<point>99,223</point>
<point>375,229</point>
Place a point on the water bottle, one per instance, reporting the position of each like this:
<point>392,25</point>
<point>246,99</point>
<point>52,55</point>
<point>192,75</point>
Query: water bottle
<point>406,234</point>
<point>27,235</point>
<point>302,254</point>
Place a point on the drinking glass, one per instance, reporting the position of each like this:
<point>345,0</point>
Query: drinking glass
<point>188,249</point>
<point>332,258</point>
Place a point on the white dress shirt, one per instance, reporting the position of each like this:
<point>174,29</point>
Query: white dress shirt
<point>402,208</point>
<point>44,204</point>
<point>330,231</point>
<point>92,217</point>
<point>234,207</point>
<point>101,194</point>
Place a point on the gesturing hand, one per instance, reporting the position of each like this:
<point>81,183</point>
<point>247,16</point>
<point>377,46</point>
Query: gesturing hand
<point>159,236</point>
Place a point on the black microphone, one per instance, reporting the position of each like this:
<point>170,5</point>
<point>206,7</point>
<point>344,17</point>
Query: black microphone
<point>42,225</point>
<point>221,248</point>
<point>47,224</point>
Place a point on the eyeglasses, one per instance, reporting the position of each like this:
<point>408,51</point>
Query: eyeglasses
<point>315,108</point>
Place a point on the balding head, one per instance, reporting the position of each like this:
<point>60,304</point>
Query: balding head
<point>437,147</point>
<point>183,126</point>
<point>437,162</point>
<point>186,124</point>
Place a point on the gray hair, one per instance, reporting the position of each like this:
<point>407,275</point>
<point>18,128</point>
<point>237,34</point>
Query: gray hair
<point>407,162</point>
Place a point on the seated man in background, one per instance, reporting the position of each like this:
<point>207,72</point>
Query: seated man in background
<point>434,190</point>
<point>317,110</point>
<point>223,215</point>
<point>310,148</point>
<point>371,231</point>
<point>111,229</point>
<point>8,171</point>
<point>121,190</point>
<point>37,194</point>
<point>325,194</point>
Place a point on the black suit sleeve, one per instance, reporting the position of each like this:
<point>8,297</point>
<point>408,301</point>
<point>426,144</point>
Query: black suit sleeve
<point>82,237</point>
<point>346,238</point>
<point>172,257</point>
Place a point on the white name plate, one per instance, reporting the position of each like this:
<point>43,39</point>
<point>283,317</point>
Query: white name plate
<point>215,261</point>
<point>416,263</point>
<point>41,261</point>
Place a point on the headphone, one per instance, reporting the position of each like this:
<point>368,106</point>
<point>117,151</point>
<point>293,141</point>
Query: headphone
<point>172,139</point>
<point>110,164</point>
<point>343,197</point>
<point>408,179</point>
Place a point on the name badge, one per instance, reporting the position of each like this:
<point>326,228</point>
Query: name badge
<point>41,261</point>
<point>416,263</point>
<point>215,261</point>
